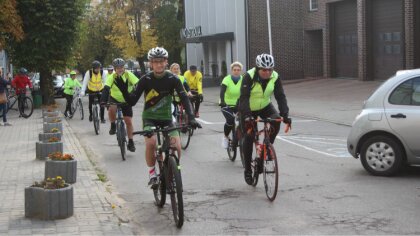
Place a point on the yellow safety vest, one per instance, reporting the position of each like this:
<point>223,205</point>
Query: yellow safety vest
<point>95,83</point>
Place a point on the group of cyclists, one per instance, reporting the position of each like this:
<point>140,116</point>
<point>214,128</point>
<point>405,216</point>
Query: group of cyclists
<point>246,94</point>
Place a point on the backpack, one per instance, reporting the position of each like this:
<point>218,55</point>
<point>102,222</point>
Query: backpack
<point>101,72</point>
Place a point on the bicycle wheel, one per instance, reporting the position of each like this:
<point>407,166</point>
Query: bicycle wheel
<point>174,185</point>
<point>232,146</point>
<point>271,173</point>
<point>121,138</point>
<point>95,119</point>
<point>184,133</point>
<point>255,174</point>
<point>26,107</point>
<point>73,108</point>
<point>240,143</point>
<point>82,115</point>
<point>160,191</point>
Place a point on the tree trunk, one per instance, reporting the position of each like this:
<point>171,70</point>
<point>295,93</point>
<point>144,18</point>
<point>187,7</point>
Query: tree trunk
<point>141,64</point>
<point>47,88</point>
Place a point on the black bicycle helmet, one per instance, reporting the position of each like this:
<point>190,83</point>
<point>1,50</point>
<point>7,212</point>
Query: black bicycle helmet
<point>96,65</point>
<point>265,61</point>
<point>23,71</point>
<point>118,62</point>
<point>157,52</point>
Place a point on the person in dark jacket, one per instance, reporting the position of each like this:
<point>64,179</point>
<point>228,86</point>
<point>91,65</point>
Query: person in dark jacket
<point>3,107</point>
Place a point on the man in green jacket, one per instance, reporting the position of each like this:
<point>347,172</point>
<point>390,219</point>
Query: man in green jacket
<point>69,85</point>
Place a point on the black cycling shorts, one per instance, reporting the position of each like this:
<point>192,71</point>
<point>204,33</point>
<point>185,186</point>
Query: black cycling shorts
<point>127,110</point>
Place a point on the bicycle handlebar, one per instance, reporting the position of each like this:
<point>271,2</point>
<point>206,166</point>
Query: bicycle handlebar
<point>265,120</point>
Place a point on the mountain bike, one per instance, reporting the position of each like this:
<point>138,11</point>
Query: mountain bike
<point>169,172</point>
<point>235,137</point>
<point>182,119</point>
<point>95,111</point>
<point>121,131</point>
<point>77,104</point>
<point>25,105</point>
<point>265,160</point>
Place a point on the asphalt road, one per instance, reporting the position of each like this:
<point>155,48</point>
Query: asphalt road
<point>322,190</point>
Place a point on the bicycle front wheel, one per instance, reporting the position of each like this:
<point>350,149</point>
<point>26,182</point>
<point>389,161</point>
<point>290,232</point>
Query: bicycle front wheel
<point>174,185</point>
<point>82,115</point>
<point>26,107</point>
<point>270,173</point>
<point>160,192</point>
<point>184,133</point>
<point>232,145</point>
<point>121,138</point>
<point>96,119</point>
<point>73,108</point>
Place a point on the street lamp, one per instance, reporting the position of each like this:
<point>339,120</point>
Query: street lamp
<point>269,27</point>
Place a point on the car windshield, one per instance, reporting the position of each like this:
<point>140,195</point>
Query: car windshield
<point>58,80</point>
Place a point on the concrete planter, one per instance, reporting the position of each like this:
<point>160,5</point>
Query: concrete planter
<point>49,126</point>
<point>66,169</point>
<point>44,149</point>
<point>44,137</point>
<point>49,204</point>
<point>51,119</point>
<point>50,113</point>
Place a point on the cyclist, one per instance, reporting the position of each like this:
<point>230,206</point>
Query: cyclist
<point>229,94</point>
<point>258,84</point>
<point>94,81</point>
<point>21,80</point>
<point>69,85</point>
<point>3,92</point>
<point>110,70</point>
<point>175,69</point>
<point>158,87</point>
<point>195,82</point>
<point>112,93</point>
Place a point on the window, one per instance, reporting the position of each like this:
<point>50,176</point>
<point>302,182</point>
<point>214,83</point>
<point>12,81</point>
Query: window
<point>313,5</point>
<point>407,93</point>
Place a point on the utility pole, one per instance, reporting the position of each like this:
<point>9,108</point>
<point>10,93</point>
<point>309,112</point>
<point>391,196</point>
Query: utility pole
<point>269,27</point>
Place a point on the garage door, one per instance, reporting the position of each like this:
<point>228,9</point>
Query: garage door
<point>345,35</point>
<point>388,37</point>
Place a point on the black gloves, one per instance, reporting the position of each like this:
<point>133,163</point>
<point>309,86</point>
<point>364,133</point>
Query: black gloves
<point>288,121</point>
<point>194,124</point>
<point>200,96</point>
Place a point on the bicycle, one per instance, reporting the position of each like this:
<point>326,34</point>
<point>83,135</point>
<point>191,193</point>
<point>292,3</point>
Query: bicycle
<point>182,119</point>
<point>265,160</point>
<point>121,132</point>
<point>25,104</point>
<point>235,137</point>
<point>169,172</point>
<point>95,111</point>
<point>77,104</point>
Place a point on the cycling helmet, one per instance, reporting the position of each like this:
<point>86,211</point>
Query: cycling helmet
<point>265,61</point>
<point>110,67</point>
<point>23,71</point>
<point>96,65</point>
<point>118,62</point>
<point>72,72</point>
<point>157,52</point>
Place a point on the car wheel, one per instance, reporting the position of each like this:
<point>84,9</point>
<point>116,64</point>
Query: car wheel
<point>381,156</point>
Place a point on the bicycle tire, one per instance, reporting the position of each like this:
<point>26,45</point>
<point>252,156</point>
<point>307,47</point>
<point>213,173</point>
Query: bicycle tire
<point>160,192</point>
<point>184,133</point>
<point>82,114</point>
<point>173,177</point>
<point>122,140</point>
<point>271,172</point>
<point>232,147</point>
<point>96,119</point>
<point>26,108</point>
<point>255,173</point>
<point>241,152</point>
<point>73,108</point>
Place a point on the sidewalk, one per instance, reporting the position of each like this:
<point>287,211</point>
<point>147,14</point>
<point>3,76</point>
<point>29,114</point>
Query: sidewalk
<point>334,100</point>
<point>93,211</point>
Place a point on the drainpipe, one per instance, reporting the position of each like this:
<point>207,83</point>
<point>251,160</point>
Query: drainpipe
<point>247,34</point>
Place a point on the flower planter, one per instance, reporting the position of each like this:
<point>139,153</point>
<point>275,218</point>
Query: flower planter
<point>50,113</point>
<point>51,119</point>
<point>43,137</point>
<point>49,204</point>
<point>49,126</point>
<point>66,169</point>
<point>43,149</point>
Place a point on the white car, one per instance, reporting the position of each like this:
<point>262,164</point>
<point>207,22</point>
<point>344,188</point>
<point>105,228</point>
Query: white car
<point>386,134</point>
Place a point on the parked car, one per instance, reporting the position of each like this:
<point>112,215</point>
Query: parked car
<point>386,134</point>
<point>58,83</point>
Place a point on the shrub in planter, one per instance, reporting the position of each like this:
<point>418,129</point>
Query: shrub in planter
<point>50,199</point>
<point>49,126</point>
<point>52,119</point>
<point>44,137</point>
<point>43,149</point>
<point>64,165</point>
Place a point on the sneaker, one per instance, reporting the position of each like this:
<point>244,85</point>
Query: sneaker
<point>7,124</point>
<point>153,182</point>
<point>103,121</point>
<point>113,129</point>
<point>225,142</point>
<point>66,114</point>
<point>248,176</point>
<point>197,114</point>
<point>130,146</point>
<point>90,118</point>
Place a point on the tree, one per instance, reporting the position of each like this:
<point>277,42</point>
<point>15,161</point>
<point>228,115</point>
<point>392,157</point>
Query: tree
<point>50,28</point>
<point>10,22</point>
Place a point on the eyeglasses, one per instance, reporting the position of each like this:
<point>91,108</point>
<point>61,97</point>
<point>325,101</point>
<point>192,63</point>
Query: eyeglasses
<point>267,70</point>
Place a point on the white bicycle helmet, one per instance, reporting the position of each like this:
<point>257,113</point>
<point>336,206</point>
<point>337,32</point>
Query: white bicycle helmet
<point>265,61</point>
<point>118,62</point>
<point>157,52</point>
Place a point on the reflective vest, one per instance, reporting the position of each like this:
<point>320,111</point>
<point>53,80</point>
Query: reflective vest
<point>95,83</point>
<point>259,99</point>
<point>233,91</point>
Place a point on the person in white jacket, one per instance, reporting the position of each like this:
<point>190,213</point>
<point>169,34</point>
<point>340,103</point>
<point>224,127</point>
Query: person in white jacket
<point>93,84</point>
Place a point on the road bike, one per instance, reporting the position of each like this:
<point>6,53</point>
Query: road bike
<point>95,111</point>
<point>25,105</point>
<point>77,104</point>
<point>265,160</point>
<point>169,172</point>
<point>120,130</point>
<point>182,119</point>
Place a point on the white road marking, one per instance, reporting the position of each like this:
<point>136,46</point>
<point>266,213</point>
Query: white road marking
<point>221,123</point>
<point>316,138</point>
